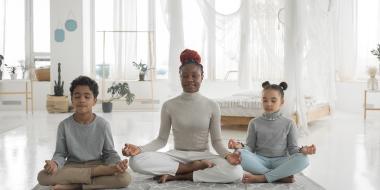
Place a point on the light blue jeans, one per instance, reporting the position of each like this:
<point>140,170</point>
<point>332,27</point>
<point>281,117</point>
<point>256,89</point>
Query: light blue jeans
<point>273,168</point>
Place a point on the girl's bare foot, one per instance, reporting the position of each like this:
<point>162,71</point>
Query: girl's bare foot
<point>250,178</point>
<point>66,187</point>
<point>289,179</point>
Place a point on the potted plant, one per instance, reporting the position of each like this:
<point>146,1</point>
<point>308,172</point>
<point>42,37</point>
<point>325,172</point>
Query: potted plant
<point>1,66</point>
<point>376,52</point>
<point>118,91</point>
<point>142,67</point>
<point>57,102</point>
<point>12,71</point>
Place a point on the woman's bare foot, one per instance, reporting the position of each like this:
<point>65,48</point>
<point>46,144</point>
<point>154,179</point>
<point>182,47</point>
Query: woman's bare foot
<point>250,178</point>
<point>66,187</point>
<point>289,179</point>
<point>202,164</point>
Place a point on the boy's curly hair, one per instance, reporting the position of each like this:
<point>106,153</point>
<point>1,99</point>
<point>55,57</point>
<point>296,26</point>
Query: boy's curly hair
<point>85,81</point>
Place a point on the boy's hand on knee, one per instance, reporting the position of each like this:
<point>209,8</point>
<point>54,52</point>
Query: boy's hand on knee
<point>122,165</point>
<point>51,167</point>
<point>130,150</point>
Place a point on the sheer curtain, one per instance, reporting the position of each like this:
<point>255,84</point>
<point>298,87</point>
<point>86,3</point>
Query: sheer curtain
<point>345,37</point>
<point>273,40</point>
<point>2,26</point>
<point>368,36</point>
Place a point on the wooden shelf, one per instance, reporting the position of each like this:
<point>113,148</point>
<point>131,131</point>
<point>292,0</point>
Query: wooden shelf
<point>28,92</point>
<point>365,105</point>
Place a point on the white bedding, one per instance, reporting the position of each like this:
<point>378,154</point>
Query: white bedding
<point>248,104</point>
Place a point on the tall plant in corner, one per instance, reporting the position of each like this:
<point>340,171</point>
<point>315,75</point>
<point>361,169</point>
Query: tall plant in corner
<point>58,86</point>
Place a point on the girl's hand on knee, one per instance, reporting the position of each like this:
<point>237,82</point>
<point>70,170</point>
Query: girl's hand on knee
<point>308,149</point>
<point>234,158</point>
<point>233,144</point>
<point>130,150</point>
<point>122,165</point>
<point>51,167</point>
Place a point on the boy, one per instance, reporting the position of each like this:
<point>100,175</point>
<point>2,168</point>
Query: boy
<point>84,157</point>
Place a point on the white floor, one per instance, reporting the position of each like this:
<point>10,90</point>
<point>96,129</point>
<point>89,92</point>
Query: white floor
<point>348,154</point>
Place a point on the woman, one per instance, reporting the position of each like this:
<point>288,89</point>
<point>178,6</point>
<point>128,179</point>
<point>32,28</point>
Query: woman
<point>192,118</point>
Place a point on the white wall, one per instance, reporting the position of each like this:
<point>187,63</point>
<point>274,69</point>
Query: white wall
<point>69,52</point>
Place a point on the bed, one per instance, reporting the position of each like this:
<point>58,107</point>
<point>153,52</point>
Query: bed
<point>238,109</point>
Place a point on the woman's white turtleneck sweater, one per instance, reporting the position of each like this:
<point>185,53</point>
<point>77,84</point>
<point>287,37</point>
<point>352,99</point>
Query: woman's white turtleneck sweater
<point>192,118</point>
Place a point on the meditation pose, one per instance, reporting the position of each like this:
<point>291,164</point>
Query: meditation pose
<point>271,152</point>
<point>192,118</point>
<point>84,156</point>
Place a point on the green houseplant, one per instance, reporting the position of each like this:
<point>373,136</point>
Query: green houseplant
<point>58,103</point>
<point>117,91</point>
<point>142,67</point>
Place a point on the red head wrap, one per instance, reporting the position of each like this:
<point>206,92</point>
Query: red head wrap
<point>190,56</point>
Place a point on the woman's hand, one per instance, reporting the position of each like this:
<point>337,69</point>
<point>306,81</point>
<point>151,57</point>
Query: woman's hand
<point>234,158</point>
<point>130,150</point>
<point>122,165</point>
<point>308,149</point>
<point>233,144</point>
<point>51,167</point>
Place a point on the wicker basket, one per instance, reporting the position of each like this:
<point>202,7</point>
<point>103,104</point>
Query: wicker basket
<point>42,74</point>
<point>57,104</point>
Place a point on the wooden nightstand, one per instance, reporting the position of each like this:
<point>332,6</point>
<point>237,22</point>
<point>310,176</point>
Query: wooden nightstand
<point>366,108</point>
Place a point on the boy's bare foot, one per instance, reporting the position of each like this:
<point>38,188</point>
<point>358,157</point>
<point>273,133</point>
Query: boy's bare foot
<point>165,178</point>
<point>202,164</point>
<point>66,187</point>
<point>250,178</point>
<point>289,179</point>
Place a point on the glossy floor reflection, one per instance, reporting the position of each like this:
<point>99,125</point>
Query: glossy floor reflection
<point>348,147</point>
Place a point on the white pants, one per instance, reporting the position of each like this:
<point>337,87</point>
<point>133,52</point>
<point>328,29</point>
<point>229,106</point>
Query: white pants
<point>161,163</point>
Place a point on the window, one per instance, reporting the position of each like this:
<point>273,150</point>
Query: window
<point>368,29</point>
<point>13,31</point>
<point>41,26</point>
<point>196,37</point>
<point>122,36</point>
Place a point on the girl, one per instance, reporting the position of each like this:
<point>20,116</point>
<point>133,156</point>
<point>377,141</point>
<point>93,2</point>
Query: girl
<point>271,152</point>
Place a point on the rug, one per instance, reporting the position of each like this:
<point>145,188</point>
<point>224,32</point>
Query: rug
<point>144,182</point>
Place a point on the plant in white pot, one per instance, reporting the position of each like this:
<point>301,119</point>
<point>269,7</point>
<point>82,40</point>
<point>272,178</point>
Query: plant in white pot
<point>117,91</point>
<point>142,67</point>
<point>1,66</point>
<point>376,52</point>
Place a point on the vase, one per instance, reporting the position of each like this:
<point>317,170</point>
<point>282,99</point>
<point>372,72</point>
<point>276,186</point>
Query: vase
<point>13,76</point>
<point>372,83</point>
<point>141,76</point>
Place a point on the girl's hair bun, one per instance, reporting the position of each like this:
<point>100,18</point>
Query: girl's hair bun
<point>265,84</point>
<point>283,85</point>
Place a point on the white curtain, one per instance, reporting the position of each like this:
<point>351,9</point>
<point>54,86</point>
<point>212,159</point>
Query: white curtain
<point>273,40</point>
<point>173,18</point>
<point>368,36</point>
<point>295,42</point>
<point>2,26</point>
<point>309,55</point>
<point>124,49</point>
<point>345,37</point>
